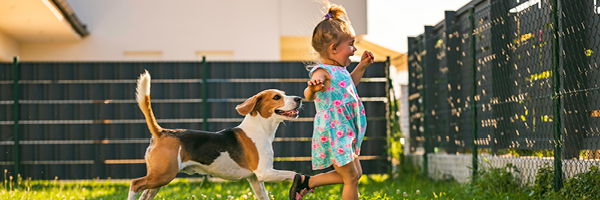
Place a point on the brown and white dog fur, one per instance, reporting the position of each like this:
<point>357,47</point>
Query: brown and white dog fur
<point>235,153</point>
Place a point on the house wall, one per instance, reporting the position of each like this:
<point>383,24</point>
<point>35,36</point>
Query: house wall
<point>184,30</point>
<point>299,17</point>
<point>9,48</point>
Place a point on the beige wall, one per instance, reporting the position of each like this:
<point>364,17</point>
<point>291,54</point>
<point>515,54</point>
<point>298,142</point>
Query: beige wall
<point>299,17</point>
<point>9,48</point>
<point>184,30</point>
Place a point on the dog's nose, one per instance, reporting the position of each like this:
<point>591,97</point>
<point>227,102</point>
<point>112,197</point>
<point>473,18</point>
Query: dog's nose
<point>298,99</point>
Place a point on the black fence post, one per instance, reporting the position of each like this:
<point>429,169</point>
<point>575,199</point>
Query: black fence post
<point>392,106</point>
<point>556,97</point>
<point>423,93</point>
<point>451,146</point>
<point>389,110</point>
<point>16,146</point>
<point>415,67</point>
<point>427,57</point>
<point>204,94</point>
<point>473,90</point>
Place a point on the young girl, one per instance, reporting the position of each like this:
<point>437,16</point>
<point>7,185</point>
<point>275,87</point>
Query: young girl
<point>340,121</point>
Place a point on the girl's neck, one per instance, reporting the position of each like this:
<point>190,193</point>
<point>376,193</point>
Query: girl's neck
<point>332,62</point>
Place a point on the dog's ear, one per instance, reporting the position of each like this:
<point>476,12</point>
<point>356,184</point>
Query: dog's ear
<point>249,105</point>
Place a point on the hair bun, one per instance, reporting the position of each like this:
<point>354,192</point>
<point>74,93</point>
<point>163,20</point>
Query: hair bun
<point>335,11</point>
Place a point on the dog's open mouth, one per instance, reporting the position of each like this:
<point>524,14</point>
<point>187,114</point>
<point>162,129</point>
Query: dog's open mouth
<point>290,113</point>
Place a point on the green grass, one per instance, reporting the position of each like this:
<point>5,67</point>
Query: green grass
<point>373,187</point>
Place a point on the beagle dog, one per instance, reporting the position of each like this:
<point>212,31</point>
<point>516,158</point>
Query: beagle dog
<point>235,153</point>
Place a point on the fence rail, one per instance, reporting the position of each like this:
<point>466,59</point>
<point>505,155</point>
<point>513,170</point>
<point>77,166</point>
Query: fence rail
<point>509,78</point>
<point>79,120</point>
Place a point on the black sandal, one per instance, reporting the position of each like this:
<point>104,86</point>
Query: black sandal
<point>299,189</point>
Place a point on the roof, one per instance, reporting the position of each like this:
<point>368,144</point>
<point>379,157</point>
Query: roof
<point>398,60</point>
<point>40,21</point>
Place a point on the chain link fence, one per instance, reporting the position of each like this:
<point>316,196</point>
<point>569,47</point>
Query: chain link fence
<point>514,81</point>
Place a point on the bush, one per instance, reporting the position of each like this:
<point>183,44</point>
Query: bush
<point>493,183</point>
<point>583,186</point>
<point>544,182</point>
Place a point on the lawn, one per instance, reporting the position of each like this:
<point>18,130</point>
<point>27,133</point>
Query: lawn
<point>371,187</point>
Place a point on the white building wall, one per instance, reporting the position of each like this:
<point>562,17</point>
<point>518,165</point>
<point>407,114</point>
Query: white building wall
<point>185,30</point>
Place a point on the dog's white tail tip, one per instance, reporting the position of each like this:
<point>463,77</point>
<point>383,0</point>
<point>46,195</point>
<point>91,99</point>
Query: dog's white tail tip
<point>143,86</point>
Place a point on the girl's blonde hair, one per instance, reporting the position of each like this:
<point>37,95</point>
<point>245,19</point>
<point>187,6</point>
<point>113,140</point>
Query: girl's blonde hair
<point>333,29</point>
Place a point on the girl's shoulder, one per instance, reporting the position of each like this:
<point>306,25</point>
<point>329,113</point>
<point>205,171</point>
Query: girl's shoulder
<point>325,67</point>
<point>317,66</point>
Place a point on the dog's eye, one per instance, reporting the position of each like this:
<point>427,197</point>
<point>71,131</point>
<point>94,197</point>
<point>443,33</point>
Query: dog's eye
<point>277,97</point>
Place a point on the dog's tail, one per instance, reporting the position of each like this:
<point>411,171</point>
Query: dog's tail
<point>143,99</point>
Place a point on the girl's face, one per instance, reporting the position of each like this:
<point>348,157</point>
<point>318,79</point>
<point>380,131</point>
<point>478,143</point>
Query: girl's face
<point>342,52</point>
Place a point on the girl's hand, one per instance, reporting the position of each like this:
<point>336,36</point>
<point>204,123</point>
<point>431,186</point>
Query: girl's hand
<point>318,83</point>
<point>315,85</point>
<point>367,58</point>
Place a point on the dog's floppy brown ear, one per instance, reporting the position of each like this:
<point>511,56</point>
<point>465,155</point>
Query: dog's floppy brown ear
<point>248,105</point>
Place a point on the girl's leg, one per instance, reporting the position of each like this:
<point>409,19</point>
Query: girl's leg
<point>349,174</point>
<point>332,177</point>
<point>357,165</point>
<point>327,178</point>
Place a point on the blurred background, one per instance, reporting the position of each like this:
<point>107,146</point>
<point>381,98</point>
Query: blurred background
<point>74,63</point>
<point>458,86</point>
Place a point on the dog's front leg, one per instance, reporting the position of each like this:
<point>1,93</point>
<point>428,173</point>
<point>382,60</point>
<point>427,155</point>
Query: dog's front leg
<point>258,187</point>
<point>272,175</point>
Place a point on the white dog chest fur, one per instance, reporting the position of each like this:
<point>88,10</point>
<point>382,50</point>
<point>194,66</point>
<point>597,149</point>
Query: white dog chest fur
<point>223,167</point>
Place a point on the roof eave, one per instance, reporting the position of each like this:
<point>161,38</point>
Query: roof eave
<point>66,10</point>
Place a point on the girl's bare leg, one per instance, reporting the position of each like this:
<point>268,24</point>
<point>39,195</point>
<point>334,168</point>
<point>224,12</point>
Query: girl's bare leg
<point>357,165</point>
<point>348,175</point>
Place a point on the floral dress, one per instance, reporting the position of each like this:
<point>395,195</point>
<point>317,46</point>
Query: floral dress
<point>340,122</point>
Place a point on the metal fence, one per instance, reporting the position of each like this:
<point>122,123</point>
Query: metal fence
<point>79,120</point>
<point>513,79</point>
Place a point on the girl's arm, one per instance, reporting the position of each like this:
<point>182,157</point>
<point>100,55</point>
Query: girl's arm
<point>366,59</point>
<point>319,83</point>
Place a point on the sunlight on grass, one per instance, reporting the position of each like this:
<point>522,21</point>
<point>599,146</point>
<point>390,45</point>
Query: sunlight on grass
<point>374,187</point>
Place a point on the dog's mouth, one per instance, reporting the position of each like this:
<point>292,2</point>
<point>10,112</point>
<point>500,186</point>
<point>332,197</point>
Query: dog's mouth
<point>289,114</point>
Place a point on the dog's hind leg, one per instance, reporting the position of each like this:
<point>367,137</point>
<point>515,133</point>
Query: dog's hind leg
<point>258,187</point>
<point>132,194</point>
<point>151,183</point>
<point>162,165</point>
<point>149,194</point>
